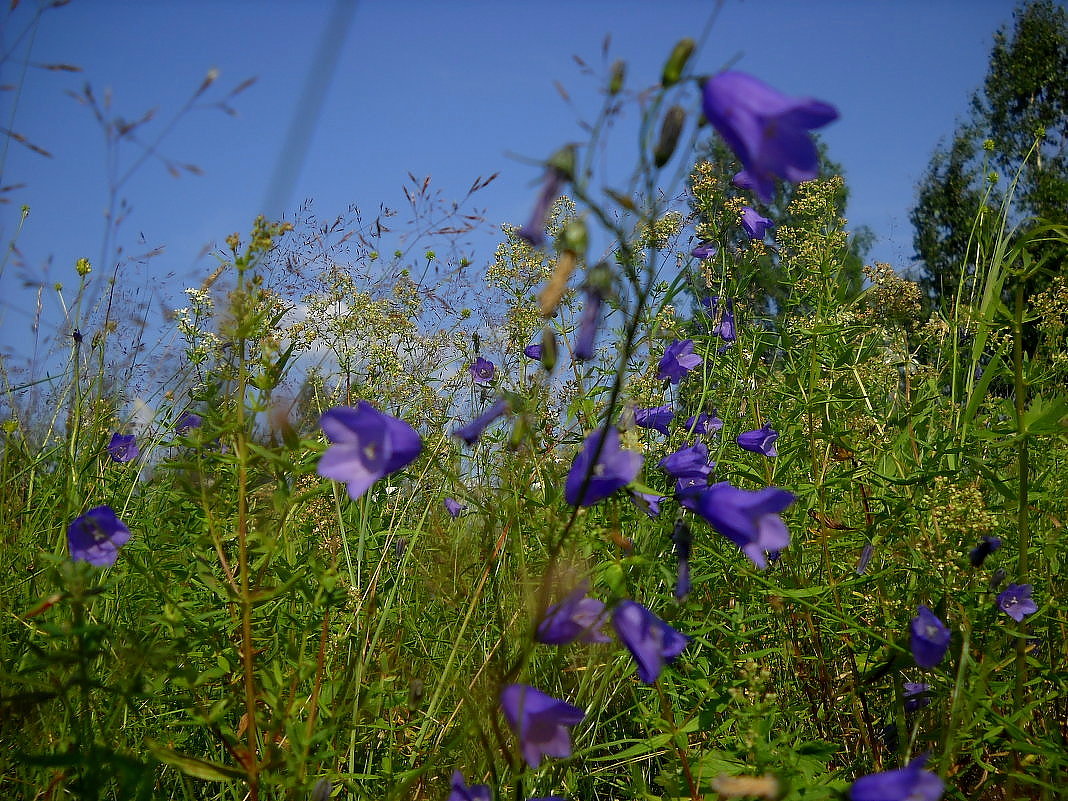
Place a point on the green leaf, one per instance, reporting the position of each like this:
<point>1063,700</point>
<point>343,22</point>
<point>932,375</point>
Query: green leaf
<point>197,768</point>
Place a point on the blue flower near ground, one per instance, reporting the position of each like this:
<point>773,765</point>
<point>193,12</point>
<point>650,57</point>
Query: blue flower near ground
<point>748,518</point>
<point>187,422</point>
<point>454,507</point>
<point>123,447</point>
<point>980,552</point>
<point>678,360</point>
<point>648,502</point>
<point>482,370</point>
<point>366,445</point>
<point>471,432</point>
<point>689,466</point>
<point>577,616</point>
<point>1015,601</point>
<point>532,352</point>
<point>589,482</point>
<point>651,641</point>
<point>915,695</point>
<point>657,418</point>
<point>704,423</point>
<point>929,638</point>
<point>761,440</point>
<point>755,225</point>
<point>539,721</point>
<point>461,792</point>
<point>911,783</point>
<point>767,130</point>
<point>96,536</point>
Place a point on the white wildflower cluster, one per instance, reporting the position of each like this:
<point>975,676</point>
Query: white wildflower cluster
<point>193,322</point>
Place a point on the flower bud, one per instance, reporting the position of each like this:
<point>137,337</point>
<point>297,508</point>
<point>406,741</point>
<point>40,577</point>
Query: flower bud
<point>670,130</point>
<point>548,349</point>
<point>615,83</point>
<point>574,237</point>
<point>676,62</point>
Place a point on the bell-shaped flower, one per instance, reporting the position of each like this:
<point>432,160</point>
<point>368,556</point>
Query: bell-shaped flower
<point>767,130</point>
<point>755,225</point>
<point>748,518</point>
<point>683,539</point>
<point>539,721</point>
<point>187,422</point>
<point>705,250</point>
<point>533,352</point>
<point>911,783</point>
<point>482,371</point>
<point>600,468</point>
<point>657,418</point>
<point>123,447</point>
<point>651,641</point>
<point>96,537</point>
<point>761,440</point>
<point>1016,602</point>
<point>576,617</point>
<point>689,467</point>
<point>366,445</point>
<point>980,552</point>
<point>704,423</point>
<point>929,638</point>
<point>558,171</point>
<point>915,695</point>
<point>461,792</point>
<point>454,507</point>
<point>471,432</point>
<point>648,502</point>
<point>678,360</point>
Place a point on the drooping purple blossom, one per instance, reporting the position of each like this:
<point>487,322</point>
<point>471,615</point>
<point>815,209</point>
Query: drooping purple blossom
<point>755,225</point>
<point>723,319</point>
<point>96,536</point>
<point>123,447</point>
<point>482,371</point>
<point>1016,602</point>
<point>929,638</point>
<point>558,171</point>
<point>648,502</point>
<point>866,553</point>
<point>454,507</point>
<point>461,792</point>
<point>683,539</point>
<point>767,130</point>
<point>589,320</point>
<point>911,783</point>
<point>915,695</point>
<point>678,360</point>
<point>539,721</point>
<point>689,466</point>
<point>704,423</point>
<point>590,480</point>
<point>366,445</point>
<point>651,641</point>
<point>748,518</point>
<point>470,432</point>
<point>187,422</point>
<point>762,440</point>
<point>532,352</point>
<point>980,552</point>
<point>576,617</point>
<point>705,250</point>
<point>657,418</point>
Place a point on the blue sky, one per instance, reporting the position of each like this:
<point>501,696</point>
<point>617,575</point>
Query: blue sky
<point>453,90</point>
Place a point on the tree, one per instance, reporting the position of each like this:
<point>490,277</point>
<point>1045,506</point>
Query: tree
<point>1024,100</point>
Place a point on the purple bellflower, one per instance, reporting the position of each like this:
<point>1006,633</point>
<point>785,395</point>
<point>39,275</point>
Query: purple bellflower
<point>760,441</point>
<point>911,783</point>
<point>754,224</point>
<point>648,502</point>
<point>650,640</point>
<point>929,638</point>
<point>588,481</point>
<point>96,537</point>
<point>461,792</point>
<point>558,171</point>
<point>366,445</point>
<point>575,617</point>
<point>532,352</point>
<point>723,319</point>
<point>980,552</point>
<point>454,507</point>
<point>705,250</point>
<point>689,467</point>
<point>589,319</point>
<point>657,418</point>
<point>187,422</point>
<point>123,447</point>
<point>539,721</point>
<point>704,423</point>
<point>767,130</point>
<point>683,539</point>
<point>915,695</point>
<point>678,360</point>
<point>482,371</point>
<point>1015,601</point>
<point>471,432</point>
<point>748,518</point>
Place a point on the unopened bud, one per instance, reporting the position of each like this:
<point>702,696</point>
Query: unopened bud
<point>574,237</point>
<point>676,62</point>
<point>83,267</point>
<point>548,349</point>
<point>549,298</point>
<point>563,161</point>
<point>670,130</point>
<point>619,72</point>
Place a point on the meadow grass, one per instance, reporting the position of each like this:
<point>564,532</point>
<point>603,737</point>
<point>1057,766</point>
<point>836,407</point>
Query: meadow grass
<point>264,635</point>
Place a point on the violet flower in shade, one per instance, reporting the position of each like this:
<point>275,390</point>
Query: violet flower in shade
<point>929,638</point>
<point>588,481</point>
<point>678,360</point>
<point>683,539</point>
<point>760,441</point>
<point>482,370</point>
<point>461,792</point>
<point>724,320</point>
<point>688,466</point>
<point>650,640</point>
<point>704,423</point>
<point>539,721</point>
<point>123,447</point>
<point>705,250</point>
<point>748,518</point>
<point>1015,601</point>
<point>754,224</point>
<point>366,445</point>
<point>454,507</point>
<point>767,130</point>
<point>915,695</point>
<point>187,422</point>
<point>96,536</point>
<point>589,319</point>
<point>471,432</point>
<point>575,617</point>
<point>532,352</point>
<point>911,783</point>
<point>980,552</point>
<point>657,418</point>
<point>647,502</point>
